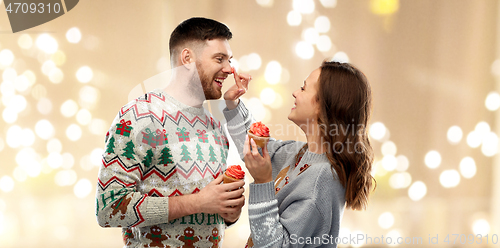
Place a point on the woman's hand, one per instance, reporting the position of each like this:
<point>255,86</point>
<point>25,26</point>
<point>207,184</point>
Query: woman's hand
<point>259,166</point>
<point>240,87</point>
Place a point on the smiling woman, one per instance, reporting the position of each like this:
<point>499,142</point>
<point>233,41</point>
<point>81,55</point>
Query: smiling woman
<point>314,181</point>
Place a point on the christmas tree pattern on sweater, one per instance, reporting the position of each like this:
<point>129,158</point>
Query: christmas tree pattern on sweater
<point>142,165</point>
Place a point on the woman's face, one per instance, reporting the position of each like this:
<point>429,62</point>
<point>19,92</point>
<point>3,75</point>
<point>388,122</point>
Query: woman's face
<point>305,110</point>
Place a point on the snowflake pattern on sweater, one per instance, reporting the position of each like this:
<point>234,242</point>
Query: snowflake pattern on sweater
<point>151,154</point>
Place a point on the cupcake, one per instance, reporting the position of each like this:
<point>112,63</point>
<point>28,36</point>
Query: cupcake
<point>233,174</point>
<point>259,133</point>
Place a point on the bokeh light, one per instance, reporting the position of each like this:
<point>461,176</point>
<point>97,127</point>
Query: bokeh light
<point>489,145</point>
<point>88,96</point>
<point>74,35</point>
<point>54,145</point>
<point>256,108</point>
<point>481,227</point>
<point>483,128</point>
<point>340,57</point>
<point>98,126</point>
<point>384,7</point>
<point>433,159</point>
<point>68,160</point>
<point>265,3</point>
<point>329,3</point>
<point>22,83</point>
<point>273,72</point>
<point>19,174</point>
<point>9,115</point>
<point>13,134</point>
<point>65,178</point>
<point>96,156</point>
<point>377,130</point>
<point>73,132</point>
<point>492,101</point>
<point>294,18</point>
<point>31,76</point>
<point>417,191</point>
<point>55,160</point>
<point>84,74</point>
<point>474,139</point>
<point>267,96</point>
<point>44,129</point>
<point>25,41</point>
<point>468,167</point>
<point>403,163</point>
<point>454,134</point>
<point>495,67</point>
<point>59,58</point>
<point>310,35</point>
<point>322,24</point>
<point>86,163</point>
<point>6,57</point>
<point>69,108</point>
<point>44,106</point>
<point>29,161</point>
<point>449,178</point>
<point>47,43</point>
<point>386,220</point>
<point>400,180</point>
<point>48,66</point>
<point>7,88</point>
<point>278,101</point>
<point>389,148</point>
<point>27,137</point>
<point>324,43</point>
<point>389,162</point>
<point>82,188</point>
<point>18,103</point>
<point>9,74</point>
<point>83,117</point>
<point>303,6</point>
<point>254,61</point>
<point>56,75</point>
<point>6,184</point>
<point>304,50</point>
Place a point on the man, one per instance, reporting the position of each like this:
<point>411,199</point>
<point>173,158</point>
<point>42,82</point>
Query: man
<point>165,154</point>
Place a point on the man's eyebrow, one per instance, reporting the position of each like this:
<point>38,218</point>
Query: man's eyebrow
<point>222,54</point>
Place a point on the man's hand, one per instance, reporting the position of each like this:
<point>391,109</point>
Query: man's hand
<point>224,199</point>
<point>240,87</point>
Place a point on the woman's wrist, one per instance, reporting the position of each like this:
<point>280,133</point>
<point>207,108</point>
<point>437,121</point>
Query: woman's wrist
<point>232,104</point>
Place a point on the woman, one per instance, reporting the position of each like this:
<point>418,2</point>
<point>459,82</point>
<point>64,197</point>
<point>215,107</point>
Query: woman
<point>301,189</point>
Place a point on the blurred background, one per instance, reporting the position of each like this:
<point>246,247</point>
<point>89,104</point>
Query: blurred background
<point>434,68</point>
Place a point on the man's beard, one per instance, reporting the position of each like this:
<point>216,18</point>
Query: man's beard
<point>211,93</point>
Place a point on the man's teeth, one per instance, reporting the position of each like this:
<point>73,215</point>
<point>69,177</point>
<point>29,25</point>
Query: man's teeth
<point>219,80</point>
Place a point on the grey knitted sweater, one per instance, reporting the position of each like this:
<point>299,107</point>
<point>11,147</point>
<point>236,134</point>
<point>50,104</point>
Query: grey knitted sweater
<point>303,207</point>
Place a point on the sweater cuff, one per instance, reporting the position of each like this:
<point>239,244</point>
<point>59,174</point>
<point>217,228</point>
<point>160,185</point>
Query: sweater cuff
<point>262,192</point>
<point>232,116</point>
<point>157,210</point>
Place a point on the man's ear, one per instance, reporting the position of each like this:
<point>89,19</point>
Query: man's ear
<point>187,56</point>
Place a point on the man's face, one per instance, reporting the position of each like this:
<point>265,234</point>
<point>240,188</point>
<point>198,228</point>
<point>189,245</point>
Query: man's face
<point>213,67</point>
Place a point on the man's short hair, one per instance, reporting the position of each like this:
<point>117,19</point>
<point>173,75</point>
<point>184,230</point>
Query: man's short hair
<point>197,29</point>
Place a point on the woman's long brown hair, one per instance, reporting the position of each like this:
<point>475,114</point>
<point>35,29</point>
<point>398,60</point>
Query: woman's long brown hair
<point>344,98</point>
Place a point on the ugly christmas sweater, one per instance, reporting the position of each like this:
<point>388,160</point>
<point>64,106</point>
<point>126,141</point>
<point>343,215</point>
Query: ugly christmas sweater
<point>303,207</point>
<point>158,147</point>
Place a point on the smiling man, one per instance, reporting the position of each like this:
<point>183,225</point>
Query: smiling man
<point>165,154</point>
